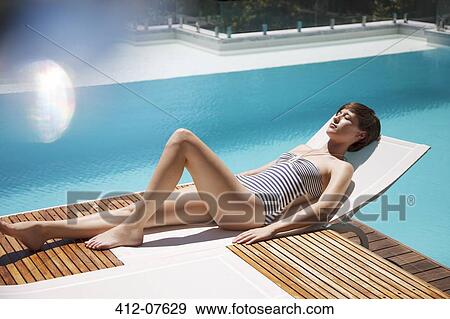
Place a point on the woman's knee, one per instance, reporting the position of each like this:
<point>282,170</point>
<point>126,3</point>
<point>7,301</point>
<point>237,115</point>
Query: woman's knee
<point>181,136</point>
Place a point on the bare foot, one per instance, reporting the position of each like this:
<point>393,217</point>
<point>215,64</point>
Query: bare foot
<point>30,233</point>
<point>121,235</point>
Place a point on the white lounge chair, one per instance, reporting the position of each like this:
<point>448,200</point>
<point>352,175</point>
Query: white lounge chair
<point>377,167</point>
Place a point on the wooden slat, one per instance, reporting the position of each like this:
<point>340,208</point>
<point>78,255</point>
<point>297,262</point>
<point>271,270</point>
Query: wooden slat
<point>24,263</point>
<point>110,205</point>
<point>76,253</point>
<point>58,258</point>
<point>330,265</point>
<point>104,205</point>
<point>371,289</point>
<point>411,282</point>
<point>90,208</point>
<point>433,274</point>
<point>118,202</point>
<point>267,271</point>
<point>365,228</point>
<point>371,266</point>
<point>106,256</point>
<point>371,237</point>
<point>382,243</point>
<point>355,265</point>
<point>406,258</point>
<point>135,197</point>
<point>421,265</point>
<point>325,271</point>
<point>64,252</point>
<point>90,254</point>
<point>290,268</point>
<point>54,253</point>
<point>55,260</point>
<point>348,268</point>
<point>318,277</point>
<point>375,236</point>
<point>12,267</point>
<point>61,213</point>
<point>322,279</point>
<point>442,283</point>
<point>392,251</point>
<point>284,266</point>
<point>59,251</point>
<point>128,199</point>
<point>28,263</point>
<point>110,259</point>
<point>5,273</point>
<point>50,265</point>
<point>412,257</point>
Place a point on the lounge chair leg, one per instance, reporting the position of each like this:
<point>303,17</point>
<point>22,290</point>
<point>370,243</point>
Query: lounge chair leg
<point>346,227</point>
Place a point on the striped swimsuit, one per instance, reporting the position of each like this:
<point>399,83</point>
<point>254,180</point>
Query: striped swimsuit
<point>290,177</point>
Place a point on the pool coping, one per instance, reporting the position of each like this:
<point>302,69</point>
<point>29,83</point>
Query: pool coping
<point>223,45</point>
<point>222,55</point>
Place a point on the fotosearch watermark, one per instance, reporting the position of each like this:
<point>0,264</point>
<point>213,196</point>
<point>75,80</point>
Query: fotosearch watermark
<point>231,207</point>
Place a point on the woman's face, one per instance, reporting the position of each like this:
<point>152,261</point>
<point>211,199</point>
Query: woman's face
<point>344,127</point>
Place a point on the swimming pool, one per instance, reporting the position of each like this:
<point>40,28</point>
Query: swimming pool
<point>115,138</point>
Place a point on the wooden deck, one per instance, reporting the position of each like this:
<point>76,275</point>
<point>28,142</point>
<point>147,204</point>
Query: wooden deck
<point>324,264</point>
<point>405,257</point>
<point>68,257</point>
<point>58,258</point>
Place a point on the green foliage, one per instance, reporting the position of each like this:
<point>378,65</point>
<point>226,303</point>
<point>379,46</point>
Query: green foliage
<point>252,14</point>
<point>385,8</point>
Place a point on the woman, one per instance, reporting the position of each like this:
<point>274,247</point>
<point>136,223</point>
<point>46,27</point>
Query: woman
<point>269,193</point>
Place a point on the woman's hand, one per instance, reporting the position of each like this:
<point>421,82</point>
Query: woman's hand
<point>253,235</point>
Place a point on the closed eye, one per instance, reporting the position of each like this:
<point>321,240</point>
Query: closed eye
<point>347,116</point>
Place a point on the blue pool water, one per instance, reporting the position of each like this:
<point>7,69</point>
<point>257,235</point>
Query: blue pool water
<point>115,138</point>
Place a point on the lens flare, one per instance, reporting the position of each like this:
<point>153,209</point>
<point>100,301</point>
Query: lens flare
<point>54,105</point>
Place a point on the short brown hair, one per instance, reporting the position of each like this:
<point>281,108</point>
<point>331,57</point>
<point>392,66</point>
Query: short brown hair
<point>368,122</point>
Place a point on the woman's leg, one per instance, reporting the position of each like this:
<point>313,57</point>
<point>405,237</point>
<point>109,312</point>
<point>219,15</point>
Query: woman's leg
<point>212,179</point>
<point>34,234</point>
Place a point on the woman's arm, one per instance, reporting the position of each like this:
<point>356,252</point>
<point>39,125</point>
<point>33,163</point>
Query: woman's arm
<point>330,200</point>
